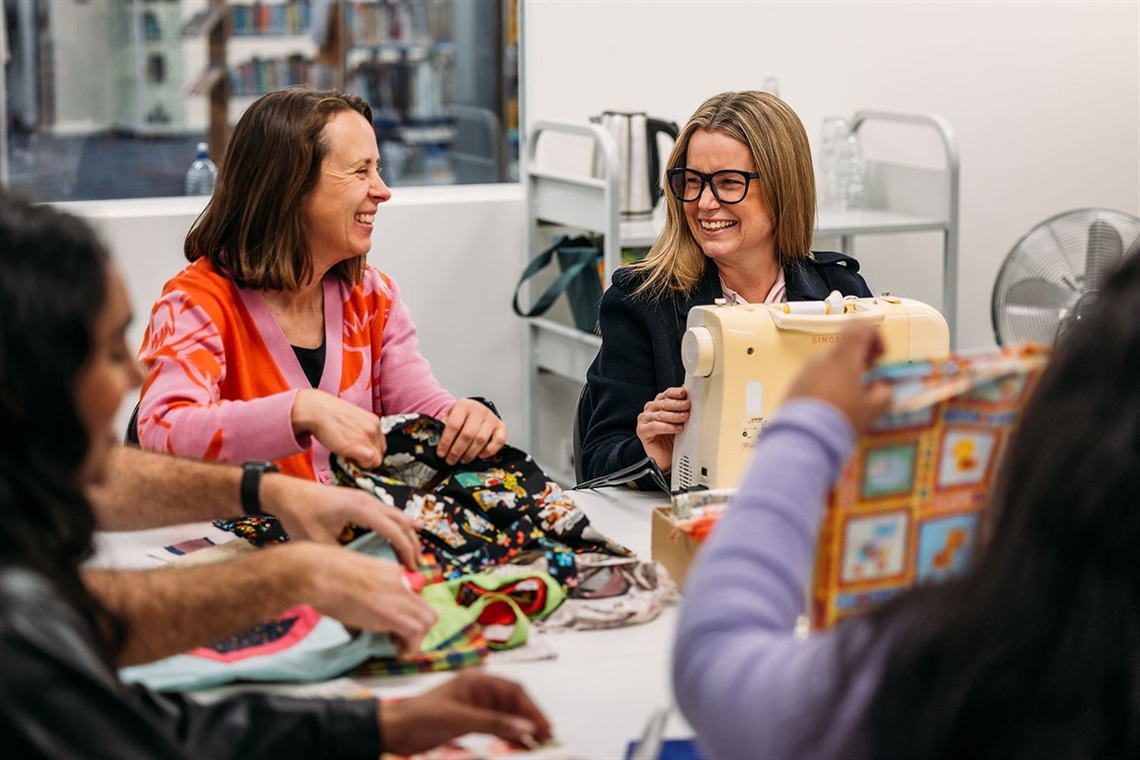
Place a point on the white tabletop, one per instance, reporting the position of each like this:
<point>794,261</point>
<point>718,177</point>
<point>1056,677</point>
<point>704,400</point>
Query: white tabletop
<point>602,687</point>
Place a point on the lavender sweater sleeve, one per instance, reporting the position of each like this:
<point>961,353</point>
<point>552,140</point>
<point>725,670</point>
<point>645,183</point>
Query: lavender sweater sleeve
<point>745,683</point>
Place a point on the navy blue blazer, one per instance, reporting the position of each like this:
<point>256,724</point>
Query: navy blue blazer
<point>641,351</point>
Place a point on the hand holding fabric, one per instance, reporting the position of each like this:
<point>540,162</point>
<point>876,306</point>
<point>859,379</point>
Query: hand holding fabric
<point>471,431</point>
<point>365,592</point>
<point>315,512</point>
<point>836,376</point>
<point>341,426</point>
<point>658,424</point>
<point>470,702</point>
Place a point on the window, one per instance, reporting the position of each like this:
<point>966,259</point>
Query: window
<point>108,98</point>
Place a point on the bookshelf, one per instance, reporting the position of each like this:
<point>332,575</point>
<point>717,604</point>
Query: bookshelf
<point>148,68</point>
<point>421,65</point>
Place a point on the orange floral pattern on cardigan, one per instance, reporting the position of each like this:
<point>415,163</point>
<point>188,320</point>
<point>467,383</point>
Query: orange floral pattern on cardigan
<point>206,348</point>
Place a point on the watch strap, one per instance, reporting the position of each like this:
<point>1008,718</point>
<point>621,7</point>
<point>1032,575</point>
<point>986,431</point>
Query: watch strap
<point>251,473</point>
<point>487,403</point>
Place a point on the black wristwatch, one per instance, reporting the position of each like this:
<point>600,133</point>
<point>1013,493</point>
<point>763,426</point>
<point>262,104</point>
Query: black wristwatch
<point>487,403</point>
<point>251,473</point>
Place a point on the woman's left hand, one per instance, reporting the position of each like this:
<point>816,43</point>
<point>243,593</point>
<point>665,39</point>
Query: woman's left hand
<point>471,431</point>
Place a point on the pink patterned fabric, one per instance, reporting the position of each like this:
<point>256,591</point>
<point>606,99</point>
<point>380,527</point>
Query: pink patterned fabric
<point>265,638</point>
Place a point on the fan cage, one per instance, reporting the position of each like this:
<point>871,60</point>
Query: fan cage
<point>1055,270</point>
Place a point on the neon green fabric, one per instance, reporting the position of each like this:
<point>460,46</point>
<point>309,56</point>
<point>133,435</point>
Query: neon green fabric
<point>453,616</point>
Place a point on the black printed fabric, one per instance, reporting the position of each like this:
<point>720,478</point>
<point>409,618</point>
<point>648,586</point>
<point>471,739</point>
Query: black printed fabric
<point>473,516</point>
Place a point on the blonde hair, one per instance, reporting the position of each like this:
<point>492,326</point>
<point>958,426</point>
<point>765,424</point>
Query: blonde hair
<point>779,146</point>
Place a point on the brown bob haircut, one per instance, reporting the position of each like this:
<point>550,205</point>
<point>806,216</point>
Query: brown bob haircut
<point>252,229</point>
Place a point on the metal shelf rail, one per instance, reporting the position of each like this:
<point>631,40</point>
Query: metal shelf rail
<point>586,203</point>
<point>904,198</point>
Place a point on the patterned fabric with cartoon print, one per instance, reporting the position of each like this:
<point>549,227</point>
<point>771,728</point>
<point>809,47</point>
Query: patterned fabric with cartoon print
<point>477,515</point>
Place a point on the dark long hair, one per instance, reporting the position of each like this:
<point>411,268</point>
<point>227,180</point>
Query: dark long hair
<point>252,229</point>
<point>1036,652</point>
<point>53,283</point>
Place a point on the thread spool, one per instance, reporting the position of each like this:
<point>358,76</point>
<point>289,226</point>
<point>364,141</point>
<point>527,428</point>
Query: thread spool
<point>807,307</point>
<point>833,304</point>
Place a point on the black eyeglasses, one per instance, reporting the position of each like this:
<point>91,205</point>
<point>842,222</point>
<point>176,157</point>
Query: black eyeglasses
<point>728,185</point>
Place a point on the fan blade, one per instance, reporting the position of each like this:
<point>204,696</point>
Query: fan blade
<point>1103,254</point>
<point>1032,310</point>
<point>1039,294</point>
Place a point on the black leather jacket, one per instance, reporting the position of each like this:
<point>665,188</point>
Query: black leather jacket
<point>58,699</point>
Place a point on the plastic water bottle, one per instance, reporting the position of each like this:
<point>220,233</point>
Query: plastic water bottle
<point>850,168</point>
<point>201,175</point>
<point>437,165</point>
<point>834,130</point>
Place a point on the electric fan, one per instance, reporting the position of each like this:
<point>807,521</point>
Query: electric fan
<point>1054,272</point>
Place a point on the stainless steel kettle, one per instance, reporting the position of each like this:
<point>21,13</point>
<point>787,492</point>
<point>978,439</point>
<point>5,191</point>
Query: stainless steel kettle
<point>640,162</point>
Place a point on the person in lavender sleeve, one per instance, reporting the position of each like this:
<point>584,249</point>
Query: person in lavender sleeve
<point>279,342</point>
<point>1033,653</point>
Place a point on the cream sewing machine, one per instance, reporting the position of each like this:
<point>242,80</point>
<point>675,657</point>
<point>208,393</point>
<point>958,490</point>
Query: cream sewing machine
<point>740,360</point>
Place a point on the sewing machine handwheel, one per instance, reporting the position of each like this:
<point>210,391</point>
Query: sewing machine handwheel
<point>698,352</point>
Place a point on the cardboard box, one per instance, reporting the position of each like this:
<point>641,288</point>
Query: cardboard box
<point>671,547</point>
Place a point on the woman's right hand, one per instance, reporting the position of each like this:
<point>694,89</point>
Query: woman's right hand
<point>836,376</point>
<point>341,427</point>
<point>314,512</point>
<point>663,417</point>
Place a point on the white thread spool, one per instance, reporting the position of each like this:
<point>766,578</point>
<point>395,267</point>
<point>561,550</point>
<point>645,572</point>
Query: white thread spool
<point>833,304</point>
<point>807,307</point>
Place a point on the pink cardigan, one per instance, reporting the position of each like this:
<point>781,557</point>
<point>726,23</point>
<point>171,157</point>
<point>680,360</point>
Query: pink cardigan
<point>222,377</point>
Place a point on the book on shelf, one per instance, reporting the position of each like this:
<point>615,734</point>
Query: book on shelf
<point>267,18</point>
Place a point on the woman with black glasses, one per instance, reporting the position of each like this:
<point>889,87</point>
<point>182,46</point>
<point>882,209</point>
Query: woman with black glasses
<point>739,227</point>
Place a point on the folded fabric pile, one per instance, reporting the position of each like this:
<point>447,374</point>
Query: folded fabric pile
<point>477,515</point>
<point>503,544</point>
<point>298,645</point>
<point>477,613</point>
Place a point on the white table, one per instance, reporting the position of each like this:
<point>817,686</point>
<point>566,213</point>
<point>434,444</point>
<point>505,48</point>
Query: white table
<point>602,687</point>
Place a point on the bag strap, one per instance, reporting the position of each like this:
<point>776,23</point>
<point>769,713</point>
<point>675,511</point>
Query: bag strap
<point>536,265</point>
<point>637,470</point>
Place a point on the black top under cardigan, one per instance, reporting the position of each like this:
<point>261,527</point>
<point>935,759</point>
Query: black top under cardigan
<point>641,350</point>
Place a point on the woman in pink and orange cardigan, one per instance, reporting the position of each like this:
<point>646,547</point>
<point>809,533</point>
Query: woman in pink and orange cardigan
<point>279,342</point>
